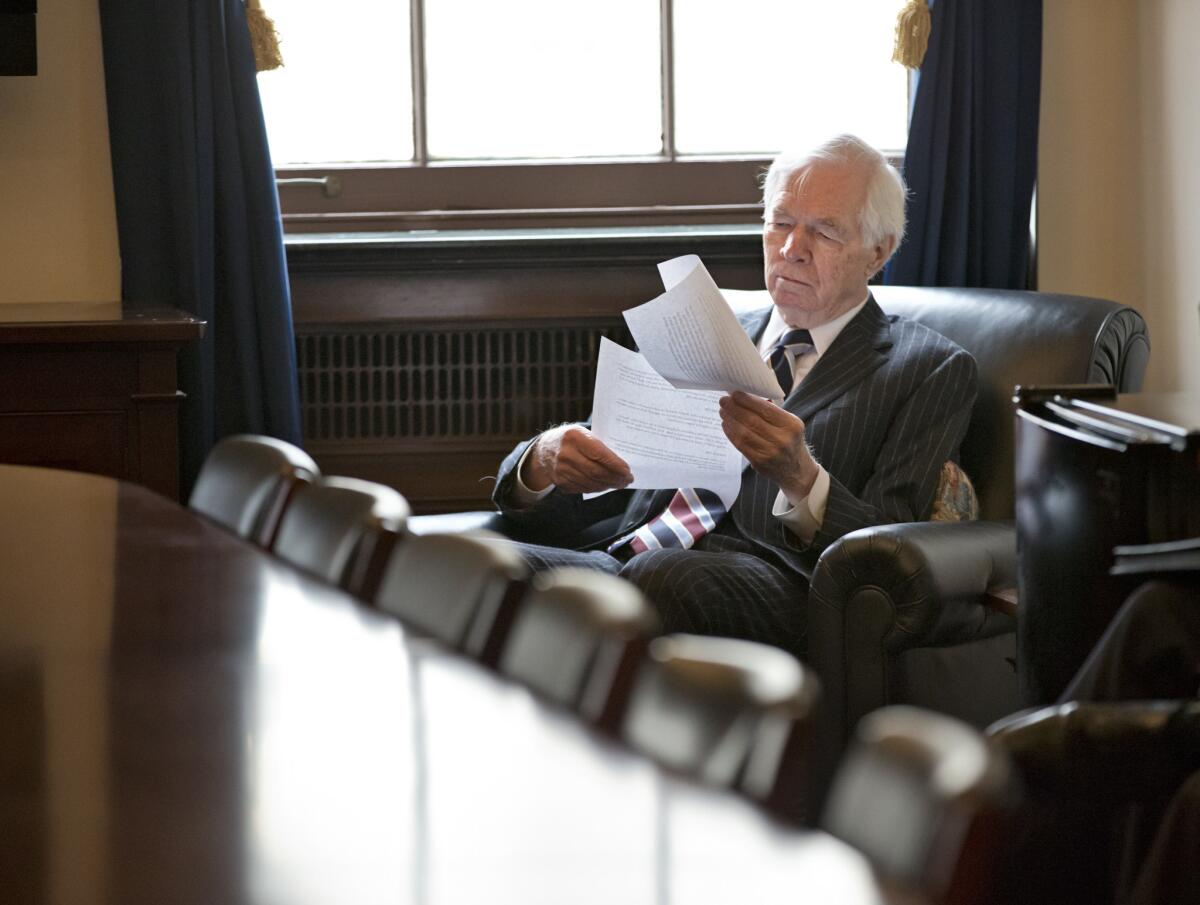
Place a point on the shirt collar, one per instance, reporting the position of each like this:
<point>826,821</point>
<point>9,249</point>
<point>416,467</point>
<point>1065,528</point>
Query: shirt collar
<point>823,335</point>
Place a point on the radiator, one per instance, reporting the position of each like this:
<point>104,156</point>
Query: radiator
<point>364,387</point>
<point>438,395</point>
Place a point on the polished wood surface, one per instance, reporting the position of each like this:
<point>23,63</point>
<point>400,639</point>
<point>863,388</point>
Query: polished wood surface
<point>186,719</point>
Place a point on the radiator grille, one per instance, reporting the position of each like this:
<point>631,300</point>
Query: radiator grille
<point>396,384</point>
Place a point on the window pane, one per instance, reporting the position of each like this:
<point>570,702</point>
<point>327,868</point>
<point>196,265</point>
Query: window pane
<point>542,78</point>
<point>344,93</point>
<point>772,75</point>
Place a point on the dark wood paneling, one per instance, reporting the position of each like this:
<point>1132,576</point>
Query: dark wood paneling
<point>96,395</point>
<point>432,478</point>
<point>18,44</point>
<point>531,280</point>
<point>96,442</point>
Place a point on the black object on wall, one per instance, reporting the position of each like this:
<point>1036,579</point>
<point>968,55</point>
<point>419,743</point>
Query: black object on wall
<point>18,37</point>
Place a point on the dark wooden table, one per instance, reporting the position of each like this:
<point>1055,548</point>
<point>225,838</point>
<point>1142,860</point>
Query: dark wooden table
<point>185,720</point>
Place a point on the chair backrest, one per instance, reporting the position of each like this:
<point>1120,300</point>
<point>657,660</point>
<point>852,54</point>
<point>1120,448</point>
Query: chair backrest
<point>1017,338</point>
<point>925,798</point>
<point>341,529</point>
<point>246,481</point>
<point>729,712</point>
<point>1095,777</point>
<point>574,637</point>
<point>445,585</point>
<point>1105,753</point>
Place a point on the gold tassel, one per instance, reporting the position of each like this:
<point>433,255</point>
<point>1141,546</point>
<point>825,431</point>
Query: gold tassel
<point>912,34</point>
<point>263,38</point>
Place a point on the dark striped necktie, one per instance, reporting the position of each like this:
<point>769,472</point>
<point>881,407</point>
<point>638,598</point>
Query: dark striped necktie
<point>788,348</point>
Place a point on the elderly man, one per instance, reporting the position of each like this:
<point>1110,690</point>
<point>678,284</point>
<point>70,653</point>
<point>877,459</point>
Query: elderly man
<point>874,406</point>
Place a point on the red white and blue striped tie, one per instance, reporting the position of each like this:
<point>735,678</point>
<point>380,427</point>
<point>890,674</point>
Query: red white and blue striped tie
<point>692,513</point>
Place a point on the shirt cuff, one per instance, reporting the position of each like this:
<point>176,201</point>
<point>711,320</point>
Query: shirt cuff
<point>806,515</point>
<point>523,497</point>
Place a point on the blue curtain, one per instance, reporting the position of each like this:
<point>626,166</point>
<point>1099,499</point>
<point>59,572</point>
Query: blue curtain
<point>972,147</point>
<point>197,212</point>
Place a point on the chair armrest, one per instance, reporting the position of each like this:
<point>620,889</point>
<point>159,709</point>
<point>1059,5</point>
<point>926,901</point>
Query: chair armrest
<point>1110,752</point>
<point>879,592</point>
<point>935,576</point>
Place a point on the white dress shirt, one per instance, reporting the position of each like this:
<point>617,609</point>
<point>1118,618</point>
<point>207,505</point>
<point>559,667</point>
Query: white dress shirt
<point>803,516</point>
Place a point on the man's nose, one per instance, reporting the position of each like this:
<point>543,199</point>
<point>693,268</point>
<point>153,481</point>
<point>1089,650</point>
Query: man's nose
<point>795,247</point>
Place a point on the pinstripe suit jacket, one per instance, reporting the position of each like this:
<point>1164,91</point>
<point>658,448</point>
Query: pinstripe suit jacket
<point>885,405</point>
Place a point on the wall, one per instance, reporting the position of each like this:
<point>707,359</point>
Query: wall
<point>1118,185</point>
<point>58,231</point>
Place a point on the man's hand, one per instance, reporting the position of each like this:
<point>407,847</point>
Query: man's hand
<point>772,440</point>
<point>571,458</point>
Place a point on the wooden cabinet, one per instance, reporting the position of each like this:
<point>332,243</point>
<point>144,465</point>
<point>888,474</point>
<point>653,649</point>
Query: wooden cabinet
<point>87,387</point>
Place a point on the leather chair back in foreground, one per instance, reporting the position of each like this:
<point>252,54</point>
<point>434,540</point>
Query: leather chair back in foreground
<point>726,711</point>
<point>575,639</point>
<point>929,802</point>
<point>246,482</point>
<point>341,530</point>
<point>1098,778</point>
<point>453,587</point>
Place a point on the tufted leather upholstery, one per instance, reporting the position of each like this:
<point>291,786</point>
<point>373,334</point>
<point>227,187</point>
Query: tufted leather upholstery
<point>899,613</point>
<point>1029,338</point>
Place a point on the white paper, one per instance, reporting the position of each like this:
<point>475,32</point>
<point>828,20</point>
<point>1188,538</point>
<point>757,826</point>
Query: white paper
<point>692,338</point>
<point>669,437</point>
<point>673,271</point>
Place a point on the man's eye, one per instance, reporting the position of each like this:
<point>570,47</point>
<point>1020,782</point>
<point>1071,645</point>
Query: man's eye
<point>780,224</point>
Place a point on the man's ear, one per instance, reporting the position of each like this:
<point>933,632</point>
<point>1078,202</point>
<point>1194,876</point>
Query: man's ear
<point>882,252</point>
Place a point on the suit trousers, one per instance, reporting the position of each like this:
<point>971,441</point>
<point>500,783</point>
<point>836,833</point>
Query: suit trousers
<point>724,585</point>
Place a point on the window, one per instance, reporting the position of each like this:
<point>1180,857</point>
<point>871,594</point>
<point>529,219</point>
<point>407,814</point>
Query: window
<point>392,114</point>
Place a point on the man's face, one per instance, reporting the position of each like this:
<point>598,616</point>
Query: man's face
<point>815,264</point>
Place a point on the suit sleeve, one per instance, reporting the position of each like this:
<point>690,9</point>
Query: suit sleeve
<point>925,432</point>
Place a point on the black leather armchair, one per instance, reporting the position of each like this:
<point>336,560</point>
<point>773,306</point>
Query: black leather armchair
<point>900,613</point>
<point>906,613</point>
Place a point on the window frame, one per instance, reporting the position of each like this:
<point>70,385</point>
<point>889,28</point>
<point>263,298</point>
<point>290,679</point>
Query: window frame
<point>424,194</point>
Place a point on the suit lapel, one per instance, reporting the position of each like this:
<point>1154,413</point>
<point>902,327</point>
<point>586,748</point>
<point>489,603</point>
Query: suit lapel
<point>863,345</point>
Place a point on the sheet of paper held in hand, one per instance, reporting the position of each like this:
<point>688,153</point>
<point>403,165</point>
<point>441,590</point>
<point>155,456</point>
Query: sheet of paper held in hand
<point>690,335</point>
<point>669,437</point>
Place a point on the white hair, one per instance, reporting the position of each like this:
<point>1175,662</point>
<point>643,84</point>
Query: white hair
<point>882,214</point>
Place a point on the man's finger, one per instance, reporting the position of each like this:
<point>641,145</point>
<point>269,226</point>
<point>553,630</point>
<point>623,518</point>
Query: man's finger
<point>577,481</point>
<point>581,469</point>
<point>747,442</point>
<point>737,401</point>
<point>591,448</point>
<point>602,455</point>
